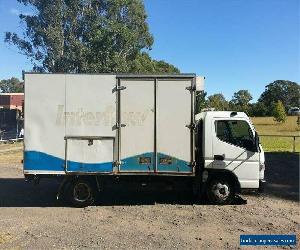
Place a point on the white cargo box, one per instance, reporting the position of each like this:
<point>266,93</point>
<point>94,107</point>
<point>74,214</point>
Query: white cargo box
<point>109,124</point>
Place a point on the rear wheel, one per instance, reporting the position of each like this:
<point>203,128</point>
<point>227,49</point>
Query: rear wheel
<point>80,193</point>
<point>220,190</point>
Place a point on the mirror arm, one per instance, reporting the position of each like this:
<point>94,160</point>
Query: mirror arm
<point>256,139</point>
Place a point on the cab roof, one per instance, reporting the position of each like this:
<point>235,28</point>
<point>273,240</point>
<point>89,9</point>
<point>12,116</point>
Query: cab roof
<point>220,114</point>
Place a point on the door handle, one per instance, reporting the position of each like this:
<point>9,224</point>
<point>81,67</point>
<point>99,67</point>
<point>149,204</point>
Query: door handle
<point>219,157</point>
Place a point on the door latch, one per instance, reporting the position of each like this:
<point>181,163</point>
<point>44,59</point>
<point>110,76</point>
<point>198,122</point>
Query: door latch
<point>117,126</point>
<point>118,88</point>
<point>90,142</point>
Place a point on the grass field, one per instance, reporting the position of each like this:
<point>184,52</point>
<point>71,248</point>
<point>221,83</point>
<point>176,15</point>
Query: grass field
<point>267,126</point>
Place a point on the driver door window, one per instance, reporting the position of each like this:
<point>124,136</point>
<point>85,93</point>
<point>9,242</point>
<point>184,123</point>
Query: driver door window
<point>236,132</point>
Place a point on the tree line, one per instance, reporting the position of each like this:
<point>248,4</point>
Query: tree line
<point>280,94</point>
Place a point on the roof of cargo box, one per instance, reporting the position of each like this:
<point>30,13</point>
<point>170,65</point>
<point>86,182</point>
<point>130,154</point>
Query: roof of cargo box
<point>125,75</point>
<point>183,75</point>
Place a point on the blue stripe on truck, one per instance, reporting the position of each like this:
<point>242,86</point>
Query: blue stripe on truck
<point>176,165</point>
<point>133,163</point>
<point>34,160</point>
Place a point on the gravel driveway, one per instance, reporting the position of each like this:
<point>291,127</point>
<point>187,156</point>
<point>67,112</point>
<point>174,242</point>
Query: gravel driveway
<point>124,218</point>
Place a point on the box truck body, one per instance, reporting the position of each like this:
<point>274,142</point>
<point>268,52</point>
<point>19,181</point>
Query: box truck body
<point>108,124</point>
<point>80,125</point>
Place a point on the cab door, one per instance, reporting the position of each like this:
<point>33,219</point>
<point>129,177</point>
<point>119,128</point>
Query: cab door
<point>234,150</point>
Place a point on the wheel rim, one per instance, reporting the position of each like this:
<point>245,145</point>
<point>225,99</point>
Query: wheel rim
<point>221,191</point>
<point>82,192</point>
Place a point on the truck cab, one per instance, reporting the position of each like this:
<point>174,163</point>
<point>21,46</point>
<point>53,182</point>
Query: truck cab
<point>229,152</point>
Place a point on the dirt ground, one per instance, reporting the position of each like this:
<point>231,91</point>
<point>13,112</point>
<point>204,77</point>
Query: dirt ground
<point>31,218</point>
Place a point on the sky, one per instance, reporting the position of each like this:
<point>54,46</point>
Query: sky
<point>235,44</point>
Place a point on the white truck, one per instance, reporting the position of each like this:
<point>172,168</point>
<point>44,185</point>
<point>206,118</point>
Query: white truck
<point>89,129</point>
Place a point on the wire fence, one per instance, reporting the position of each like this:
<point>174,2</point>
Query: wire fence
<point>280,143</point>
<point>10,137</point>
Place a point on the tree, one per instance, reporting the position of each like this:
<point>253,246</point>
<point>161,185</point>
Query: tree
<point>218,102</point>
<point>241,98</point>
<point>144,64</point>
<point>279,112</point>
<point>86,36</point>
<point>258,109</point>
<point>201,102</point>
<point>287,92</point>
<point>12,85</point>
<point>240,101</point>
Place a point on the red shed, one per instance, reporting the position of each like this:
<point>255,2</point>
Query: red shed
<point>12,100</point>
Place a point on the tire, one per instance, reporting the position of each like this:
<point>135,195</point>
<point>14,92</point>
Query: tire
<point>80,193</point>
<point>220,190</point>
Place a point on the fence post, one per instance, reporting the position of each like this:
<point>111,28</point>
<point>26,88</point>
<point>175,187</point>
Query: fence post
<point>294,144</point>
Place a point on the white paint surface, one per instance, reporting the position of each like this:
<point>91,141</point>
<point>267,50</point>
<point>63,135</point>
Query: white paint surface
<point>173,114</point>
<point>137,113</point>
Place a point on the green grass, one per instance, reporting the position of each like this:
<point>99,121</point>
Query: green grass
<point>267,126</point>
<point>282,144</point>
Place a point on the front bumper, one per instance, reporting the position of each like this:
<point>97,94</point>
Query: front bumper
<point>262,184</point>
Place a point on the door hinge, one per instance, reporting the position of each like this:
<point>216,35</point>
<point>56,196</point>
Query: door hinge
<point>117,163</point>
<point>191,126</point>
<point>118,88</point>
<point>191,88</point>
<point>192,164</point>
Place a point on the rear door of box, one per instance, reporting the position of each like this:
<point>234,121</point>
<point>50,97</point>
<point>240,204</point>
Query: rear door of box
<point>173,140</point>
<point>154,115</point>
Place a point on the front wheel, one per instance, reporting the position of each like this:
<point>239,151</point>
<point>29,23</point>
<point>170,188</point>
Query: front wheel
<point>220,190</point>
<point>80,193</point>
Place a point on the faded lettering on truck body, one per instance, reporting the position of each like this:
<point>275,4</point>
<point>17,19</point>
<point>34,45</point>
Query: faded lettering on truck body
<point>82,117</point>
